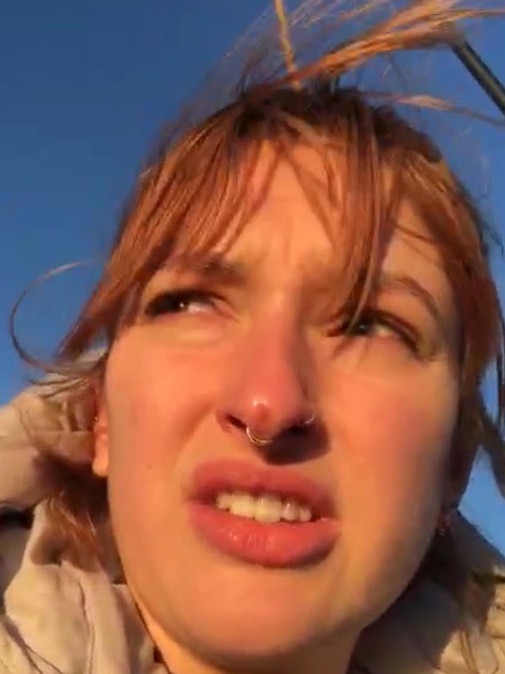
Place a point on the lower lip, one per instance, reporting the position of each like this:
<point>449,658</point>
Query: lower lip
<point>272,545</point>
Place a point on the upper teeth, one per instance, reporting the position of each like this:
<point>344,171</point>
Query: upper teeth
<point>264,508</point>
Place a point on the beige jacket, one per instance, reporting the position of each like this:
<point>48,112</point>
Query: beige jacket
<point>57,619</point>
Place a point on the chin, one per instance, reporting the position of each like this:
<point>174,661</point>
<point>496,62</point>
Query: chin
<point>253,615</point>
<point>231,611</point>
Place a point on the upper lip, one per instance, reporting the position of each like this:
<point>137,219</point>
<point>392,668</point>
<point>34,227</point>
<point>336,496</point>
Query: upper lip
<point>212,477</point>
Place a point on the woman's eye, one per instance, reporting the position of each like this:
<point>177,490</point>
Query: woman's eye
<point>370,327</point>
<point>180,302</point>
<point>381,326</point>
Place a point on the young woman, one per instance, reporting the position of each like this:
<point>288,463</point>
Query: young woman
<point>261,470</point>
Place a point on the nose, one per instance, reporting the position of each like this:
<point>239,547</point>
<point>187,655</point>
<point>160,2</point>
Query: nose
<point>267,390</point>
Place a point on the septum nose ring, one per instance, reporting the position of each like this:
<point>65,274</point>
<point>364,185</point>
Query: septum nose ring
<point>258,441</point>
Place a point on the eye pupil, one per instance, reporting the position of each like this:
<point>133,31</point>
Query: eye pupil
<point>380,326</point>
<point>165,303</point>
<point>362,327</point>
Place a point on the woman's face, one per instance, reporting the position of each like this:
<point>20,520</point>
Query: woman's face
<point>257,342</point>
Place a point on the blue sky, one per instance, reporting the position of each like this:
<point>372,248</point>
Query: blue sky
<point>84,85</point>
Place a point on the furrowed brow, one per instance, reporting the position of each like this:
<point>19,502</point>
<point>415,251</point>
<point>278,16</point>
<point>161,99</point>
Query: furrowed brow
<point>401,282</point>
<point>326,279</point>
<point>212,268</point>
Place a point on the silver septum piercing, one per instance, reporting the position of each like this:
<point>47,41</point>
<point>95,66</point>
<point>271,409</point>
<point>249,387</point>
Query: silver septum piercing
<point>258,441</point>
<point>309,420</point>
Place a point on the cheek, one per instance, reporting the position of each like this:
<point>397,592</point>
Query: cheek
<point>155,391</point>
<point>394,443</point>
<point>395,436</point>
<point>157,399</point>
<point>390,446</point>
<point>399,459</point>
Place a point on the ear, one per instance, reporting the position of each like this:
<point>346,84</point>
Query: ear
<point>100,462</point>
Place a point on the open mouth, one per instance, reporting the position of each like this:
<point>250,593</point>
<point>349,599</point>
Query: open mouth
<point>264,516</point>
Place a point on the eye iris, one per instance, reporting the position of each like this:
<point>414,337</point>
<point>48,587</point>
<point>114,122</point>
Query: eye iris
<point>364,327</point>
<point>373,326</point>
<point>181,303</point>
<point>176,302</point>
<point>166,303</point>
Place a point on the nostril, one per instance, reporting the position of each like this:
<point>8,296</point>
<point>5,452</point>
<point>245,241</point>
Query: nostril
<point>229,421</point>
<point>298,429</point>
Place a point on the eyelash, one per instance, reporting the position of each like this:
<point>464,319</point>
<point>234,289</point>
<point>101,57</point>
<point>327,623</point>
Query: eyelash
<point>175,299</point>
<point>372,317</point>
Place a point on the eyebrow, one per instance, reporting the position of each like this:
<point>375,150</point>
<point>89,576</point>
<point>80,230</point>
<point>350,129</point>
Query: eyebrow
<point>211,267</point>
<point>389,282</point>
<point>327,277</point>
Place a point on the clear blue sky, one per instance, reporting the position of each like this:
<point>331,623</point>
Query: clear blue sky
<point>84,85</point>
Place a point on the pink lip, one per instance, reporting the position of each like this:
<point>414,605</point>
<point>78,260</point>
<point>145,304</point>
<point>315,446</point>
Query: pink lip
<point>273,545</point>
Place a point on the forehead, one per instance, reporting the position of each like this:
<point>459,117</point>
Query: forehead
<point>301,221</point>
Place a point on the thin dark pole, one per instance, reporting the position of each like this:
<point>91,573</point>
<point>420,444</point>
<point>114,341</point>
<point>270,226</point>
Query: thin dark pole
<point>481,73</point>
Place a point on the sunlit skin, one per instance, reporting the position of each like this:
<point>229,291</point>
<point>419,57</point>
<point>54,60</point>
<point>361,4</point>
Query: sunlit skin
<point>260,347</point>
